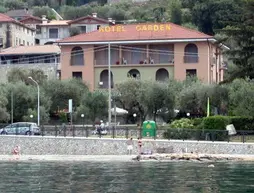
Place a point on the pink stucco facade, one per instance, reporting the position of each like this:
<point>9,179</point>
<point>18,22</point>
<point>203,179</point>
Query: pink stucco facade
<point>207,66</point>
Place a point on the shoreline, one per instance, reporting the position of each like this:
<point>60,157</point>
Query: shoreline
<point>189,157</point>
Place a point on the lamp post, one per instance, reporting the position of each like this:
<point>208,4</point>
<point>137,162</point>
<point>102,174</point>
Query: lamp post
<point>109,86</point>
<point>38,100</point>
<point>82,116</point>
<point>135,115</point>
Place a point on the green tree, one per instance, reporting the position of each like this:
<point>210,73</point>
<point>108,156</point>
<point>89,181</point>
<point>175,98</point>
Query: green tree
<point>45,10</point>
<point>21,74</point>
<point>60,92</point>
<point>241,97</point>
<point>4,115</point>
<point>155,96</point>
<point>176,13</point>
<point>241,33</point>
<point>14,4</point>
<point>93,105</point>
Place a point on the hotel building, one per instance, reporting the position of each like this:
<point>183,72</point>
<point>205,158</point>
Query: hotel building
<point>154,51</point>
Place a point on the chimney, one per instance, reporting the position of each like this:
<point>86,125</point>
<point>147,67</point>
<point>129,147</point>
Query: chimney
<point>110,20</point>
<point>94,14</point>
<point>44,19</point>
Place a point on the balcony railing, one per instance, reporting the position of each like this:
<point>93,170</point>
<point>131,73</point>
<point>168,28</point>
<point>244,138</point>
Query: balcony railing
<point>191,59</point>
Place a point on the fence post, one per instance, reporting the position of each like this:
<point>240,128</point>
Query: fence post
<point>127,132</point>
<point>113,132</point>
<point>86,132</point>
<point>42,130</point>
<point>73,131</point>
<point>64,128</point>
<point>55,131</point>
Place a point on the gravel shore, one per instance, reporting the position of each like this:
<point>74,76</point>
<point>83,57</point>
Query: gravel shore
<point>129,158</point>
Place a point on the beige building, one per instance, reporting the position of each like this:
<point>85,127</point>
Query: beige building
<point>14,33</point>
<point>151,51</point>
<point>50,31</point>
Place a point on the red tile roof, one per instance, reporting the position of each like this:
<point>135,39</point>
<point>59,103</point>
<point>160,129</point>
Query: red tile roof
<point>5,18</point>
<point>31,17</point>
<point>131,33</point>
<point>89,17</point>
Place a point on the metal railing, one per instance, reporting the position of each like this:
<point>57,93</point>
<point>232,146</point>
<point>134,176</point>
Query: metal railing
<point>126,132</point>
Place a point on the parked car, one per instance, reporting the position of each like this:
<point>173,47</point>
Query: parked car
<point>21,128</point>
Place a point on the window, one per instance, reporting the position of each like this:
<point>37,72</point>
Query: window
<point>191,54</point>
<point>161,74</point>
<point>24,42</point>
<point>77,75</point>
<point>191,73</point>
<point>77,56</point>
<point>134,73</point>
<point>53,33</point>
<point>19,41</point>
<point>83,29</point>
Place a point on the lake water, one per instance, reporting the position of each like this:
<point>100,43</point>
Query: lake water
<point>129,177</point>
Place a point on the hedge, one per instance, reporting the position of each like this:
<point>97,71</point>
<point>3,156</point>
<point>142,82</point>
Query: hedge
<point>220,123</point>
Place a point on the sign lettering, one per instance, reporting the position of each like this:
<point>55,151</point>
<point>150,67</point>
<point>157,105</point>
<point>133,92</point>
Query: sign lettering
<point>139,28</point>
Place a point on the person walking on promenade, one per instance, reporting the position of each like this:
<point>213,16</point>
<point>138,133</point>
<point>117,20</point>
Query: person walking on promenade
<point>129,146</point>
<point>139,146</point>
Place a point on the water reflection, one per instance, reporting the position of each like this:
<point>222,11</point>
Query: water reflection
<point>129,177</point>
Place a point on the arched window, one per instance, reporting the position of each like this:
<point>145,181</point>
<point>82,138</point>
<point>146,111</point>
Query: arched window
<point>104,79</point>
<point>133,73</point>
<point>191,53</point>
<point>77,56</point>
<point>162,74</point>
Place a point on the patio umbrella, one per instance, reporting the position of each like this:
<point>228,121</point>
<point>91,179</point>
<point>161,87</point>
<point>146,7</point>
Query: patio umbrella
<point>118,111</point>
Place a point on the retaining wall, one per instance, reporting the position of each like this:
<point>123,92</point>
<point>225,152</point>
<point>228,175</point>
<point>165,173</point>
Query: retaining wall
<point>37,145</point>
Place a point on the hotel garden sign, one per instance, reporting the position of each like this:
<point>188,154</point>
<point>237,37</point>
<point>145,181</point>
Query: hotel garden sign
<point>121,28</point>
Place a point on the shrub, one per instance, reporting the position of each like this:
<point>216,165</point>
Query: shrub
<point>216,122</point>
<point>182,123</point>
<point>242,123</point>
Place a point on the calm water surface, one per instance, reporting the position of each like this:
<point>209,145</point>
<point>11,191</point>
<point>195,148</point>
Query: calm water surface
<point>129,177</point>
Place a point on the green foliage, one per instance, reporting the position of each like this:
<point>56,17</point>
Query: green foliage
<point>93,105</point>
<point>14,4</point>
<point>242,49</point>
<point>216,122</point>
<point>21,74</point>
<point>45,10</point>
<point>241,98</point>
<point>61,91</point>
<point>182,124</point>
<point>176,13</point>
<point>75,31</point>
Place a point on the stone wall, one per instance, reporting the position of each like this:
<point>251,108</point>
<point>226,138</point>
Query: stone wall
<point>37,145</point>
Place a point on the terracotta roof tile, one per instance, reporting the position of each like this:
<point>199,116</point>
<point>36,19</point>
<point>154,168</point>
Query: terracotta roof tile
<point>5,18</point>
<point>130,33</point>
<point>56,22</point>
<point>30,17</point>
<point>89,17</point>
<point>26,50</point>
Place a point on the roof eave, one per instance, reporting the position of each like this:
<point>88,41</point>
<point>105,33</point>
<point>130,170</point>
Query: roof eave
<point>134,41</point>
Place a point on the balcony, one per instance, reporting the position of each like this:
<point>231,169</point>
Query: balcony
<point>135,55</point>
<point>191,59</point>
